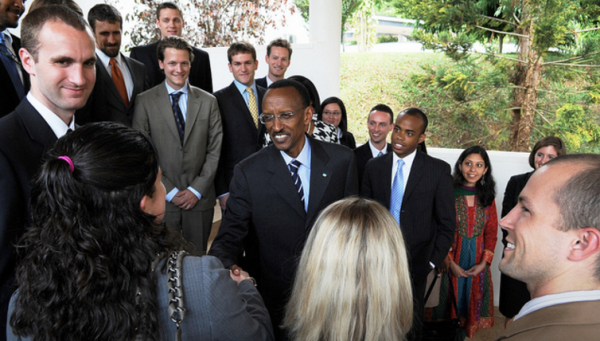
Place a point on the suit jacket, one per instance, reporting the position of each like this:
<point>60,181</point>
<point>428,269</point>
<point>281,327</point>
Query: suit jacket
<point>428,215</point>
<point>217,308</point>
<point>241,138</point>
<point>363,154</point>
<point>10,99</point>
<point>105,103</point>
<point>569,321</point>
<point>200,74</point>
<point>194,164</point>
<point>264,208</point>
<point>24,139</point>
<point>348,140</point>
<point>262,82</point>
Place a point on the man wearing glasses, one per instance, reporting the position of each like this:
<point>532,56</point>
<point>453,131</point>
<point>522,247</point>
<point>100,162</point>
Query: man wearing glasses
<point>277,193</point>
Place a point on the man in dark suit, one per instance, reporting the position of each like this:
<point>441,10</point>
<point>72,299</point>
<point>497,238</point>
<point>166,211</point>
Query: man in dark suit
<point>240,105</point>
<point>169,20</point>
<point>419,193</point>
<point>118,79</point>
<point>379,122</point>
<point>277,193</point>
<point>279,57</point>
<point>553,245</point>
<point>14,81</point>
<point>188,152</point>
<point>52,34</point>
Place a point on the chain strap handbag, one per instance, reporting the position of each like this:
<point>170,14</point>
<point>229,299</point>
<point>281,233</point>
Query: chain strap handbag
<point>442,330</point>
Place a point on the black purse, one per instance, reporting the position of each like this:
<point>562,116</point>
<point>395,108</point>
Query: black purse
<point>448,330</point>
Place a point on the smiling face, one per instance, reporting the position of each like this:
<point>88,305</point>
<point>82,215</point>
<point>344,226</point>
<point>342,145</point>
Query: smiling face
<point>64,73</point>
<point>176,66</point>
<point>332,114</point>
<point>289,136</point>
<point>108,37</point>
<point>169,22</point>
<point>243,67</point>
<point>278,62</point>
<point>544,155</point>
<point>537,250</point>
<point>472,168</point>
<point>380,125</point>
<point>407,134</point>
<point>10,12</point>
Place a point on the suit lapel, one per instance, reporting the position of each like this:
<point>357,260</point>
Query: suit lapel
<point>416,172</point>
<point>163,104</point>
<point>241,103</point>
<point>386,176</point>
<point>281,181</point>
<point>137,80</point>
<point>193,108</point>
<point>320,173</point>
<point>112,88</point>
<point>37,128</point>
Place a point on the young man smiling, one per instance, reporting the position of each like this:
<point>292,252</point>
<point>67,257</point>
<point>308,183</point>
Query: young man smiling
<point>418,190</point>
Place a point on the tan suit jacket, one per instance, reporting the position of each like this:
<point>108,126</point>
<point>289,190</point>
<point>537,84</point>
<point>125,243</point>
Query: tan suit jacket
<point>195,163</point>
<point>570,321</point>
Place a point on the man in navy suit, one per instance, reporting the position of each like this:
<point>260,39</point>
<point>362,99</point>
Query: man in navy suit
<point>58,54</point>
<point>169,20</point>
<point>418,190</point>
<point>240,105</point>
<point>277,194</point>
<point>279,57</point>
<point>14,82</point>
<point>118,79</point>
<point>379,122</point>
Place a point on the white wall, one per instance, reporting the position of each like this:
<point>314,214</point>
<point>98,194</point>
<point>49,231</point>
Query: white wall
<point>504,165</point>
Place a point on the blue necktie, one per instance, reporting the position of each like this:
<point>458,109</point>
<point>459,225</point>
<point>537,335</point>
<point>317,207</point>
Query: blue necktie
<point>380,153</point>
<point>10,63</point>
<point>178,114</point>
<point>397,192</point>
<point>293,166</point>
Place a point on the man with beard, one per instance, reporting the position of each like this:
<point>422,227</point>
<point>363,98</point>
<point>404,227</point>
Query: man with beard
<point>118,79</point>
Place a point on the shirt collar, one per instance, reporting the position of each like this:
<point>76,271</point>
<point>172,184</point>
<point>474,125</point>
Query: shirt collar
<point>241,87</point>
<point>303,157</point>
<point>7,37</point>
<point>184,89</point>
<point>554,299</point>
<point>56,124</point>
<point>376,151</point>
<point>106,59</point>
<point>408,159</point>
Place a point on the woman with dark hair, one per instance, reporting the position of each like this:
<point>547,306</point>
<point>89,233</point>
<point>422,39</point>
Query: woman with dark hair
<point>514,293</point>
<point>333,111</point>
<point>94,263</point>
<point>469,280</point>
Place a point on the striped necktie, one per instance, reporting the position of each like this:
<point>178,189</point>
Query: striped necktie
<point>179,121</point>
<point>293,166</point>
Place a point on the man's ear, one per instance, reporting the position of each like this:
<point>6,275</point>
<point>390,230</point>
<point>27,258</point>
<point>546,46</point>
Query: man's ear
<point>421,137</point>
<point>27,61</point>
<point>586,244</point>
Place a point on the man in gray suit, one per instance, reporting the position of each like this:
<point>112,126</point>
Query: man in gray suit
<point>118,79</point>
<point>185,125</point>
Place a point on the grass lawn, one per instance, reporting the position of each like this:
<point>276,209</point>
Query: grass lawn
<point>368,79</point>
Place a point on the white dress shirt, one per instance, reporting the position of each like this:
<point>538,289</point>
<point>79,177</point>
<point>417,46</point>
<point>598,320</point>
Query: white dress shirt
<point>105,61</point>
<point>58,126</point>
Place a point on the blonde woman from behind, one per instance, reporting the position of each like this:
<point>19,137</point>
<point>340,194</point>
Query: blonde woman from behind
<point>353,281</point>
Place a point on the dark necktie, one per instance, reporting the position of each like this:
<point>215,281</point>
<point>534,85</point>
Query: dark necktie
<point>117,78</point>
<point>10,62</point>
<point>178,114</point>
<point>294,165</point>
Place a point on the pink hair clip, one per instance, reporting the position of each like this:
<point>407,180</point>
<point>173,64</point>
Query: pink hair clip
<point>69,161</point>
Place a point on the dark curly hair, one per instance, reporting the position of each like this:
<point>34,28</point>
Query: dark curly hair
<point>87,258</point>
<point>486,192</point>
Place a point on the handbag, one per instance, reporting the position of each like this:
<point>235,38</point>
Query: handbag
<point>448,330</point>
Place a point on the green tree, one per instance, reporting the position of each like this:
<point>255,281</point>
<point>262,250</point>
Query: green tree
<point>557,62</point>
<point>365,27</point>
<point>209,22</point>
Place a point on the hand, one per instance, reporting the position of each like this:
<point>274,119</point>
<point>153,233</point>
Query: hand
<point>474,271</point>
<point>443,268</point>
<point>237,274</point>
<point>223,201</point>
<point>457,270</point>
<point>185,199</point>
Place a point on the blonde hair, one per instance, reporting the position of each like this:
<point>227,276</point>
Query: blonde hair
<point>353,281</point>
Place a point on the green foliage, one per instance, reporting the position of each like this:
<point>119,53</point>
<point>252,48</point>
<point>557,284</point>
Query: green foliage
<point>387,39</point>
<point>365,28</point>
<point>574,126</point>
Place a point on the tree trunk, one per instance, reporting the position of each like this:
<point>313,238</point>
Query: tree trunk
<point>527,80</point>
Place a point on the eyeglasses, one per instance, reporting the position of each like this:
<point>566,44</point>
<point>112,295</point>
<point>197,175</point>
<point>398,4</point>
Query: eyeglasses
<point>269,118</point>
<point>334,113</point>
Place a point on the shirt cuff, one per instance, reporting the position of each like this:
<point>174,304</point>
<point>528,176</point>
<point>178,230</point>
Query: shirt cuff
<point>432,265</point>
<point>222,195</point>
<point>172,194</point>
<point>196,193</point>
